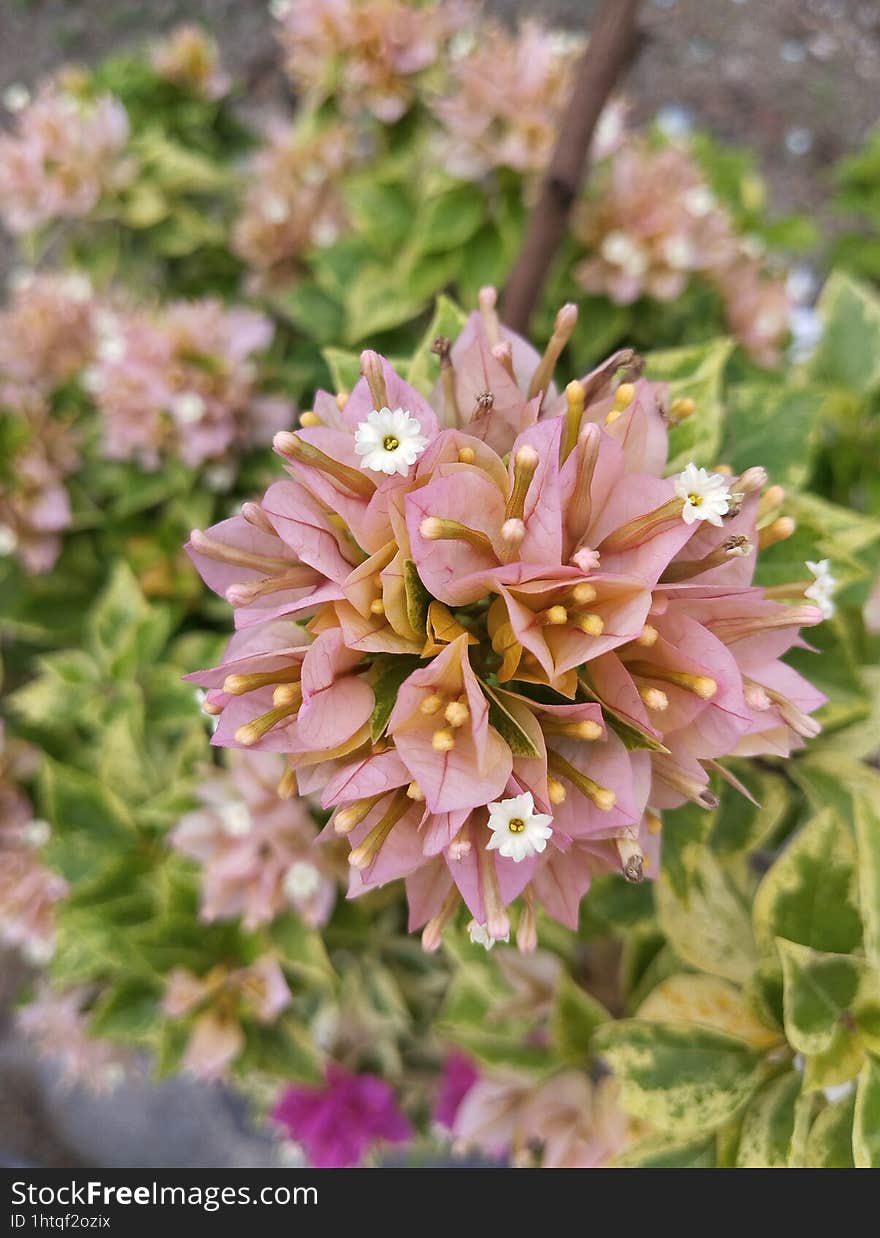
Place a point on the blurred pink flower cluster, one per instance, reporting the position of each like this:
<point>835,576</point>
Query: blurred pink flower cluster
<point>216,1005</point>
<point>256,849</point>
<point>46,337</point>
<point>28,889</point>
<point>652,222</point>
<point>497,582</point>
<point>56,1023</point>
<point>504,102</point>
<point>64,153</point>
<point>190,58</point>
<point>366,54</point>
<point>292,202</point>
<point>182,382</point>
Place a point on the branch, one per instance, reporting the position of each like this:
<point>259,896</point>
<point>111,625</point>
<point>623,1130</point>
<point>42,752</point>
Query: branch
<point>611,47</point>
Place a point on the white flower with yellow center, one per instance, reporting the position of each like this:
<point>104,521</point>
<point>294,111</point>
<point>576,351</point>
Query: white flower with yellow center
<point>480,936</point>
<point>706,495</point>
<point>822,589</point>
<point>188,407</point>
<point>236,819</point>
<point>517,830</point>
<point>390,441</point>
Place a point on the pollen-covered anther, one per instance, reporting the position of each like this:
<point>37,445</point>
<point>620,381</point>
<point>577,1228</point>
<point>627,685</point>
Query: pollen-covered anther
<point>586,729</point>
<point>575,399</point>
<point>288,694</point>
<point>624,396</point>
<point>443,740</point>
<point>365,855</point>
<point>309,418</point>
<point>287,785</point>
<point>435,529</point>
<point>556,791</point>
<point>525,462</point>
<point>583,594</point>
<point>457,713</point>
<point>632,859</point>
<point>342,398</point>
<point>654,698</point>
<point>466,455</point>
<point>252,732</point>
<point>415,793</point>
<point>431,704</point>
<point>648,636</point>
<point>681,408</point>
<point>779,530</point>
<point>700,685</point>
<point>292,447</point>
<point>513,534</point>
<point>589,624</point>
<point>554,616</point>
<point>350,817</point>
<point>653,822</point>
<point>377,607</point>
<point>773,497</point>
<point>603,797</point>
<point>238,685</point>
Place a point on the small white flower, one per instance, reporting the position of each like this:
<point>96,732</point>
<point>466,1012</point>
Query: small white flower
<point>480,935</point>
<point>220,478</point>
<point>706,495</point>
<point>236,819</point>
<point>325,233</point>
<point>679,253</point>
<point>275,209</point>
<point>837,1091</point>
<point>699,201</point>
<point>517,830</point>
<point>39,953</point>
<point>301,882</point>
<point>8,540</point>
<point>620,250</point>
<point>111,347</point>
<point>78,287</point>
<point>390,442</point>
<point>37,833</point>
<point>822,590</point>
<point>188,407</point>
<point>279,8</point>
<point>16,97</point>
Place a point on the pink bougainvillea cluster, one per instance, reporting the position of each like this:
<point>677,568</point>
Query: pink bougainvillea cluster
<point>493,636</point>
<point>181,382</point>
<point>653,223</point>
<point>63,154</point>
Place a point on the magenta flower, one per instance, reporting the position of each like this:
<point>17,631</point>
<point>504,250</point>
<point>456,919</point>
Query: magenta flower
<point>340,1122</point>
<point>459,1076</point>
<point>449,644</point>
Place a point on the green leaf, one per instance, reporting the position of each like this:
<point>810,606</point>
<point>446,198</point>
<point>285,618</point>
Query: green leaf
<point>867,829</point>
<point>866,1118</point>
<point>849,352</point>
<point>708,923</point>
<point>386,688</point>
<point>344,367</point>
<point>117,620</point>
<point>739,825</point>
<point>820,992</point>
<point>90,820</point>
<point>684,1080</point>
<point>768,1124</point>
<point>500,717</point>
<point>128,1013</point>
<point>710,1002</point>
<point>424,369</point>
<point>666,1152</point>
<point>773,426</point>
<point>695,372</point>
<point>450,219</point>
<point>576,1015</point>
<point>830,1141</point>
<point>810,894</point>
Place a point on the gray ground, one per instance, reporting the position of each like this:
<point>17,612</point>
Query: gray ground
<point>794,79</point>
